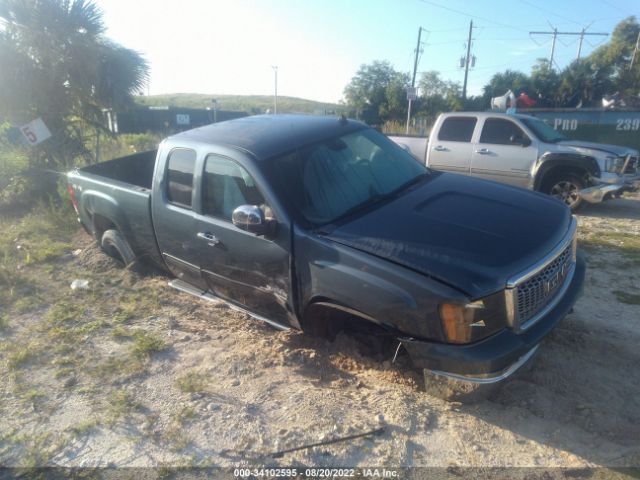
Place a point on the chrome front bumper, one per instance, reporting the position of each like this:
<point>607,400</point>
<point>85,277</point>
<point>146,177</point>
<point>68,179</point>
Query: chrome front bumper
<point>488,378</point>
<point>598,193</point>
<point>471,388</point>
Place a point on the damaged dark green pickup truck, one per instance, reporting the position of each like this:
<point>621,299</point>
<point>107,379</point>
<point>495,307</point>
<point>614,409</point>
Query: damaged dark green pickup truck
<point>317,222</point>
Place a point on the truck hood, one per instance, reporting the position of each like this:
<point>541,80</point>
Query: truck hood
<point>469,233</point>
<point>583,147</point>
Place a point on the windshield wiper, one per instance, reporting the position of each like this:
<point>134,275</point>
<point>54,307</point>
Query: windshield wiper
<point>409,183</point>
<point>378,197</point>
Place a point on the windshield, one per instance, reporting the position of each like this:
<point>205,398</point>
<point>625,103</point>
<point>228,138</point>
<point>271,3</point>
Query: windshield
<point>543,131</point>
<point>332,178</point>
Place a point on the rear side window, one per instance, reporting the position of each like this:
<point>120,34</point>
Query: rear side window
<point>457,129</point>
<point>180,167</point>
<point>499,131</point>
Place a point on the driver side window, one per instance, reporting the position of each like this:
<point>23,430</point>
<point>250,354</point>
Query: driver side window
<point>226,186</point>
<point>499,131</point>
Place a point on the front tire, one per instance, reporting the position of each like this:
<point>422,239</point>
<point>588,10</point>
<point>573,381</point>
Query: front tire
<point>115,245</point>
<point>565,188</point>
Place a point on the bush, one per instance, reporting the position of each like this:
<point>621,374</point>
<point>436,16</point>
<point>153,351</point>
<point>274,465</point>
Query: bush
<point>13,159</point>
<point>22,185</point>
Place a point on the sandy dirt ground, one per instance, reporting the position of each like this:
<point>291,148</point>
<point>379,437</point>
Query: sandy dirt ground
<point>218,388</point>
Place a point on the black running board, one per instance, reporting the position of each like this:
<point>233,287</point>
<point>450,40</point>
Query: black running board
<point>196,292</point>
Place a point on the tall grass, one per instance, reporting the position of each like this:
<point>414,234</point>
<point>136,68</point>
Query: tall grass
<point>13,159</point>
<point>40,235</point>
<point>393,127</point>
<point>126,144</point>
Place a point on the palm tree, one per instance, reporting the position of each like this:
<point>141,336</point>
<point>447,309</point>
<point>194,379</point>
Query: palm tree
<point>58,65</point>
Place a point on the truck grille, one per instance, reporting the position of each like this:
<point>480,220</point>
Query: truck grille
<point>632,166</point>
<point>538,291</point>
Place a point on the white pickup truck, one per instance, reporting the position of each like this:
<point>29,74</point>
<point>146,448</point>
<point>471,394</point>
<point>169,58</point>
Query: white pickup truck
<point>524,151</point>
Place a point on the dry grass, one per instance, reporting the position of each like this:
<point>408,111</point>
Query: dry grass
<point>192,382</point>
<point>626,297</point>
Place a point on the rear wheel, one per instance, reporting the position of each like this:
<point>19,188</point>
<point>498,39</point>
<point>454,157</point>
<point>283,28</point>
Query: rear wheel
<point>115,245</point>
<point>565,188</point>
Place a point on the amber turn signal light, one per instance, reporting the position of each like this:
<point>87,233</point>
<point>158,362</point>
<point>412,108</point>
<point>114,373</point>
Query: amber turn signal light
<point>458,320</point>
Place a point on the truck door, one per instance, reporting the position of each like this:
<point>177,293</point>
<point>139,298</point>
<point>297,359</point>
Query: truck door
<point>173,217</point>
<point>451,150</point>
<point>249,270</point>
<point>504,153</point>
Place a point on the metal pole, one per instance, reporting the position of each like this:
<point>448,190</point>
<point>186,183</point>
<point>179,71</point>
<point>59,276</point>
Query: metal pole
<point>553,47</point>
<point>466,62</point>
<point>635,52</point>
<point>580,44</point>
<point>275,96</point>
<point>97,145</point>
<point>413,78</point>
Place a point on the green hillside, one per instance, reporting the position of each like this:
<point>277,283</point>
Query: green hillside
<point>247,103</point>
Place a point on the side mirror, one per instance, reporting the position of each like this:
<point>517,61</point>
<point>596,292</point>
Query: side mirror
<point>250,219</point>
<point>518,140</point>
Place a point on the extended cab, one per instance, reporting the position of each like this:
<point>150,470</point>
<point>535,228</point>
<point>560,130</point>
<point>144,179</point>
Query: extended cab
<point>306,221</point>
<point>524,151</point>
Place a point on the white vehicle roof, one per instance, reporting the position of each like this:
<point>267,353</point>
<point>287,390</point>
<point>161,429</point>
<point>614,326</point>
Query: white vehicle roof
<point>489,113</point>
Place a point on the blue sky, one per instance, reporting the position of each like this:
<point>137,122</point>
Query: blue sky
<point>228,47</point>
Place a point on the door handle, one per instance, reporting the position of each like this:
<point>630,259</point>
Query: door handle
<point>440,148</point>
<point>483,151</point>
<point>210,238</point>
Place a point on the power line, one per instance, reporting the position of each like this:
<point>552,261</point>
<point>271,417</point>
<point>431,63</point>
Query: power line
<point>495,23</point>
<point>487,67</point>
<point>501,39</point>
<point>549,12</point>
<point>615,6</point>
<point>513,27</point>
<point>536,42</point>
<point>460,12</point>
<point>594,45</point>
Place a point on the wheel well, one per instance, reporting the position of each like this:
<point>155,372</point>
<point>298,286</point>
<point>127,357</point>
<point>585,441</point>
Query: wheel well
<point>327,320</point>
<point>558,171</point>
<point>101,224</point>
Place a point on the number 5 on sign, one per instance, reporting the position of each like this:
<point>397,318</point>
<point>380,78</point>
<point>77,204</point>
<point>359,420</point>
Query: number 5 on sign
<point>35,132</point>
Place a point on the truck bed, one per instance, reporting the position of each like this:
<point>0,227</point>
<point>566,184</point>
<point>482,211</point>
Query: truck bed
<point>136,169</point>
<point>118,192</point>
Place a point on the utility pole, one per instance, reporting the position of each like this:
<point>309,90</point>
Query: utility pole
<point>580,44</point>
<point>214,101</point>
<point>466,62</point>
<point>275,95</point>
<point>553,46</point>
<point>411,94</point>
<point>555,34</point>
<point>635,52</point>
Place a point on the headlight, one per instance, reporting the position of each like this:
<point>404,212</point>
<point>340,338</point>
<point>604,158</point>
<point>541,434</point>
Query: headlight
<point>613,164</point>
<point>466,323</point>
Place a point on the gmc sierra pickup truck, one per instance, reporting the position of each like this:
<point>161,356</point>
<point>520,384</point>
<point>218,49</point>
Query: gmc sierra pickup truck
<point>524,151</point>
<point>305,221</point>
